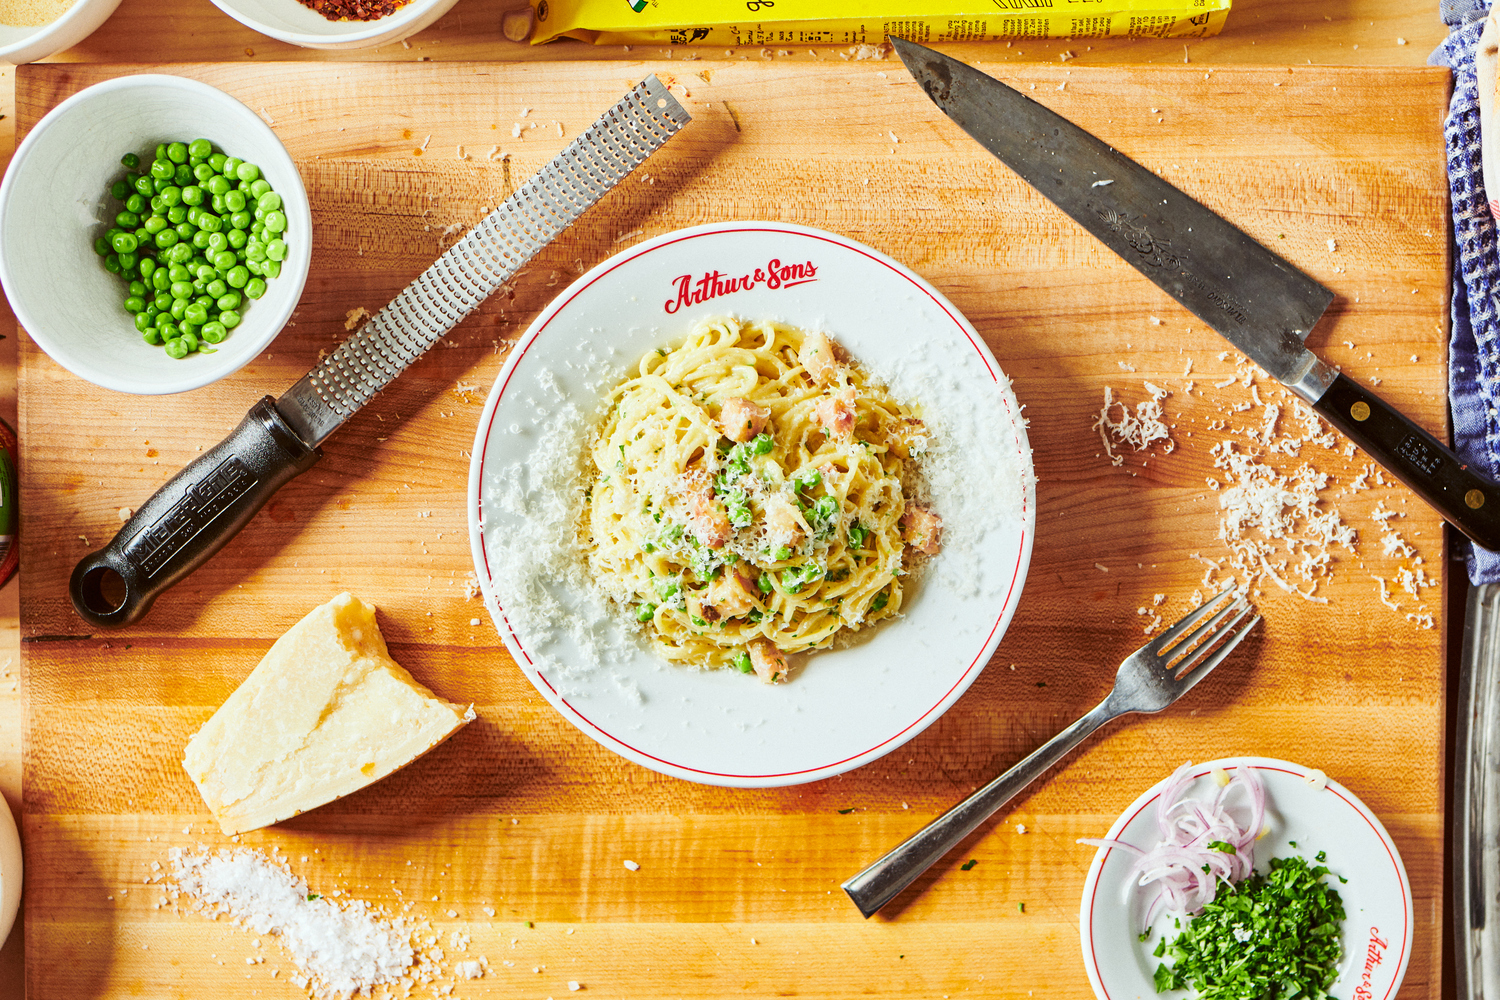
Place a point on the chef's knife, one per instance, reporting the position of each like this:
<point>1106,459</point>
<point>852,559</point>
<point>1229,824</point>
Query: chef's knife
<point>204,505</point>
<point>1261,304</point>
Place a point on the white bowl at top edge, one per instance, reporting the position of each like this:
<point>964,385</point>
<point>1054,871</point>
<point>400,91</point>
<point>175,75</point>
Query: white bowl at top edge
<point>291,21</point>
<point>54,202</point>
<point>24,45</point>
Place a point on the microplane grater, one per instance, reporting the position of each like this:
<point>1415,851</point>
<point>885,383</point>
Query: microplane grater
<point>202,507</point>
<point>487,257</point>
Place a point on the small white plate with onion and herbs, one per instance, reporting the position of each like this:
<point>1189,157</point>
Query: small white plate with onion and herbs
<point>1239,878</point>
<point>538,554</point>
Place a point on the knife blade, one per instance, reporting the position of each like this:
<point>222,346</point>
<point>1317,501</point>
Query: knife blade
<point>1259,302</point>
<point>201,508</point>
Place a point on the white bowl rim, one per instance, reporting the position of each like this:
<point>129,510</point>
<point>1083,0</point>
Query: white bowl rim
<point>102,377</point>
<point>74,13</point>
<point>380,26</point>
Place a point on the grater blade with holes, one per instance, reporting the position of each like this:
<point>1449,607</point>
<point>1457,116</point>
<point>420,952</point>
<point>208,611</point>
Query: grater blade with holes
<point>206,504</point>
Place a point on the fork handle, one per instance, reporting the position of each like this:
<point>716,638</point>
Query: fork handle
<point>883,881</point>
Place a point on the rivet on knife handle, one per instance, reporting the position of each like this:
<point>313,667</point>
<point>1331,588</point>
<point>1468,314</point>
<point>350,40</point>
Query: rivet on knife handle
<point>209,501</point>
<point>1467,500</point>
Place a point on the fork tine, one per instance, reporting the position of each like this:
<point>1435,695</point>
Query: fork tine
<point>1199,671</point>
<point>1201,635</point>
<point>1188,622</point>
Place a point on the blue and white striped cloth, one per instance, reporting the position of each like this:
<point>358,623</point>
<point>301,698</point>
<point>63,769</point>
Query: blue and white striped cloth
<point>1474,347</point>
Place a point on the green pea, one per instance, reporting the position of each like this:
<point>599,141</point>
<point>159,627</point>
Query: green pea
<point>154,224</point>
<point>112,263</point>
<point>195,313</point>
<point>231,165</point>
<point>201,148</point>
<point>237,238</point>
<point>182,290</point>
<point>202,172</point>
<point>235,201</point>
<point>177,214</point>
<point>191,339</point>
<point>210,222</point>
<point>217,161</point>
<point>240,220</point>
<point>178,310</point>
<point>255,251</point>
<point>143,186</point>
<point>273,268</point>
<point>162,170</point>
<point>225,260</point>
<point>229,301</point>
<point>137,288</point>
<point>162,320</point>
<point>130,161</point>
<point>118,190</point>
<point>180,253</point>
<point>259,188</point>
<point>275,222</point>
<point>101,246</point>
<point>171,195</point>
<point>142,322</point>
<point>128,261</point>
<point>237,277</point>
<point>151,335</point>
<point>200,239</point>
<point>135,305</point>
<point>176,348</point>
<point>161,281</point>
<point>135,203</point>
<point>255,266</point>
<point>216,288</point>
<point>177,152</point>
<point>247,172</point>
<point>148,268</point>
<point>229,318</point>
<point>219,185</point>
<point>255,288</point>
<point>192,195</point>
<point>169,330</point>
<point>179,273</point>
<point>276,250</point>
<point>166,238</point>
<point>216,240</point>
<point>182,175</point>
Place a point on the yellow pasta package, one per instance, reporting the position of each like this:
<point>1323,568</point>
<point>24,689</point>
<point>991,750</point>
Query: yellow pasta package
<point>859,22</point>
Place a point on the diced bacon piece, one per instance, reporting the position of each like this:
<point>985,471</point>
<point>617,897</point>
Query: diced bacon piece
<point>705,519</point>
<point>769,662</point>
<point>836,412</point>
<point>908,437</point>
<point>922,529</point>
<point>730,596</point>
<point>820,356</point>
<point>742,419</point>
<point>784,524</point>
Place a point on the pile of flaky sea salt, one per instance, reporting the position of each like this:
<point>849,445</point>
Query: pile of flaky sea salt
<point>340,947</point>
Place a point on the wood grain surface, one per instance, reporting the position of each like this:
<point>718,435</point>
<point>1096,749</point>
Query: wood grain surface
<point>737,893</point>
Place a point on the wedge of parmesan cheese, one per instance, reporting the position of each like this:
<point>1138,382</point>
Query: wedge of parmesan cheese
<point>326,713</point>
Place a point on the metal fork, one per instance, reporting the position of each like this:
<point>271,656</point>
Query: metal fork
<point>1149,680</point>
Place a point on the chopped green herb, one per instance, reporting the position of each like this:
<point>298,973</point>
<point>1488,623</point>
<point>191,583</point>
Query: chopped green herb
<point>793,578</point>
<point>881,599</point>
<point>968,864</point>
<point>697,621</point>
<point>1222,846</point>
<point>1292,917</point>
<point>845,812</point>
<point>312,896</point>
<point>663,354</point>
<point>1020,907</point>
<point>741,662</point>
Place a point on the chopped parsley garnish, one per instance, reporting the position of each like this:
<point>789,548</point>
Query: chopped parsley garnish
<point>823,514</point>
<point>881,599</point>
<point>1293,919</point>
<point>312,896</point>
<point>845,812</point>
<point>1222,846</point>
<point>968,864</point>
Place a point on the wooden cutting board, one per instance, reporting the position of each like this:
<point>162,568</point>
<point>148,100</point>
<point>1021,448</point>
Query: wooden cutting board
<point>1340,170</point>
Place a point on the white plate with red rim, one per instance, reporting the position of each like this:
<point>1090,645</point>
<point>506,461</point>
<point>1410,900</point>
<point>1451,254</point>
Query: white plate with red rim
<point>843,707</point>
<point>1304,808</point>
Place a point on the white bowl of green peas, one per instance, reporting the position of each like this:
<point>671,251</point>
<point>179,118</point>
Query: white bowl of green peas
<point>155,234</point>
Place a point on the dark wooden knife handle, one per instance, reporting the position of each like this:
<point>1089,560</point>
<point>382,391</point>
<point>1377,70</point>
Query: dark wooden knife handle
<point>190,518</point>
<point>1466,499</point>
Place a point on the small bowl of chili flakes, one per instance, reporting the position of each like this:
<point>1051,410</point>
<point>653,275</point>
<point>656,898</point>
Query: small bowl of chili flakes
<point>336,24</point>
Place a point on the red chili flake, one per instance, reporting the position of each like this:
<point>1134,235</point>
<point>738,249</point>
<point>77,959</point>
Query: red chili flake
<point>354,10</point>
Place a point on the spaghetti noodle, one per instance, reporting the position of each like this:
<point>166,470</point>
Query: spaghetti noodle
<point>748,497</point>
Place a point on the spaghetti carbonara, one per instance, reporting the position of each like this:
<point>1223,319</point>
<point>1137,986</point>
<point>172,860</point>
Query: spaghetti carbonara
<point>746,497</point>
